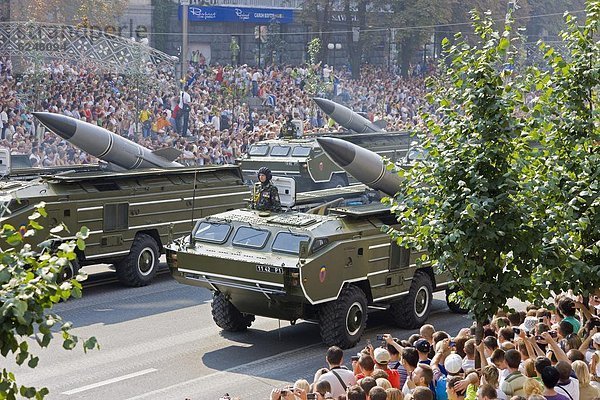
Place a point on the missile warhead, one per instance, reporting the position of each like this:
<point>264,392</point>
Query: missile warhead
<point>346,117</point>
<point>106,145</point>
<point>364,165</point>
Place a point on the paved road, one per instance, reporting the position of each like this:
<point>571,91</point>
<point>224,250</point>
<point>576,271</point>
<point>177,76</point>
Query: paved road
<point>159,342</point>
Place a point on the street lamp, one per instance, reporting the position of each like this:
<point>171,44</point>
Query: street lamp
<point>184,48</point>
<point>334,47</point>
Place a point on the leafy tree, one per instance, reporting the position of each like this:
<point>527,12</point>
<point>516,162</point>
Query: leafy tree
<point>565,121</point>
<point>97,12</point>
<point>30,285</point>
<point>465,204</point>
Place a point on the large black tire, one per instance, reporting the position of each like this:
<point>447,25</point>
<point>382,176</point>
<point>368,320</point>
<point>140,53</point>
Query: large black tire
<point>413,309</point>
<point>227,316</point>
<point>454,306</point>
<point>139,267</point>
<point>343,321</point>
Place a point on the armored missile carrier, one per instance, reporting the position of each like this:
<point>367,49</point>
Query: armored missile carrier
<point>129,214</point>
<point>328,268</point>
<point>311,168</point>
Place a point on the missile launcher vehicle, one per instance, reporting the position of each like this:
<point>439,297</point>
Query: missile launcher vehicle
<point>329,264</point>
<point>129,214</point>
<point>311,168</point>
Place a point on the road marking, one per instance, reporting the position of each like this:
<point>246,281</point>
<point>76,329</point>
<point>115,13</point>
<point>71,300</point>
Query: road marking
<point>232,369</point>
<point>109,381</point>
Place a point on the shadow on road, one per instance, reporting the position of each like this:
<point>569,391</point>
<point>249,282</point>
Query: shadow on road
<point>255,352</point>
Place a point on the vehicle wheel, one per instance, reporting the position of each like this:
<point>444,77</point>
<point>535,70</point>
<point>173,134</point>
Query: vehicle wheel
<point>454,306</point>
<point>227,317</point>
<point>413,310</point>
<point>139,267</point>
<point>69,271</point>
<point>343,321</point>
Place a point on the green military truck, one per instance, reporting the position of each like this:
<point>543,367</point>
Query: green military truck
<point>305,162</point>
<point>129,214</point>
<point>329,264</point>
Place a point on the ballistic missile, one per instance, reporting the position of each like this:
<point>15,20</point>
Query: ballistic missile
<point>119,152</point>
<point>346,117</point>
<point>364,165</point>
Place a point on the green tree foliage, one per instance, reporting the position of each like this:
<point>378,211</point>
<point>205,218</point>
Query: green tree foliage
<point>95,12</point>
<point>30,285</point>
<point>161,15</point>
<point>465,204</point>
<point>564,119</point>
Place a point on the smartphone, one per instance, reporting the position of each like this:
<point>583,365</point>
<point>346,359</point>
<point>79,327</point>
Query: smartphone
<point>368,342</point>
<point>452,343</point>
<point>517,331</point>
<point>354,358</point>
<point>311,396</point>
<point>380,337</point>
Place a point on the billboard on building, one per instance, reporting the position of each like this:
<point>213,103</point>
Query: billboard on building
<point>238,14</point>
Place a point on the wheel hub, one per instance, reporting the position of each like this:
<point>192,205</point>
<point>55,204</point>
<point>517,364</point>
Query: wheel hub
<point>354,318</point>
<point>421,302</point>
<point>146,261</point>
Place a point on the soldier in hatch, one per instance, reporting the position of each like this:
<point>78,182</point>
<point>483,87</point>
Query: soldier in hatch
<point>265,196</point>
<point>289,129</point>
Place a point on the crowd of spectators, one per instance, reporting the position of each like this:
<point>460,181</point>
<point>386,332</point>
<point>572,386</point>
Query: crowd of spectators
<point>539,354</point>
<point>229,108</point>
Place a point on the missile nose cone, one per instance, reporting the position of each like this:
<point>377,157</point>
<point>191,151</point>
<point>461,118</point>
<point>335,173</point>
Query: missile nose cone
<point>61,125</point>
<point>326,105</point>
<point>339,150</point>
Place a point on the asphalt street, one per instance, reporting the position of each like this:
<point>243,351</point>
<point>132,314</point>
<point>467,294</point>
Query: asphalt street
<point>159,342</point>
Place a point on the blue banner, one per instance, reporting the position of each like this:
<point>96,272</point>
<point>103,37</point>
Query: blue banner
<point>238,14</point>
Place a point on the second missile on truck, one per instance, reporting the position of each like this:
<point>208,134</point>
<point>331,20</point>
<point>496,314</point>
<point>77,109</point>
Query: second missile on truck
<point>121,153</point>
<point>366,166</point>
<point>346,117</point>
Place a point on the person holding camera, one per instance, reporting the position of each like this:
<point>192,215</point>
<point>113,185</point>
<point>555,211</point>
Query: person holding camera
<point>338,376</point>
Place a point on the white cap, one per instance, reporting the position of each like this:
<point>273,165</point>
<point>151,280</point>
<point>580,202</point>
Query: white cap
<point>453,363</point>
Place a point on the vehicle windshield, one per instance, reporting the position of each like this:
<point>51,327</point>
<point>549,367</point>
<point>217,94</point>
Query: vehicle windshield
<point>258,150</point>
<point>301,151</point>
<point>286,242</point>
<point>250,237</point>
<point>211,232</point>
<point>280,151</point>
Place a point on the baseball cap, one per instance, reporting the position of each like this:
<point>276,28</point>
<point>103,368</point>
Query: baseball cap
<point>453,363</point>
<point>422,345</point>
<point>382,356</point>
<point>596,338</point>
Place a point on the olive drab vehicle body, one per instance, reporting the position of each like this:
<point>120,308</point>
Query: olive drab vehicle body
<point>129,214</point>
<point>304,160</point>
<point>328,265</point>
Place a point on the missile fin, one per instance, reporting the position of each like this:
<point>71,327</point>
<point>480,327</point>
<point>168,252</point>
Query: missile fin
<point>168,153</point>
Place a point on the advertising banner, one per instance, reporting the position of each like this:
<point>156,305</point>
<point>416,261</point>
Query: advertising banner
<point>238,14</point>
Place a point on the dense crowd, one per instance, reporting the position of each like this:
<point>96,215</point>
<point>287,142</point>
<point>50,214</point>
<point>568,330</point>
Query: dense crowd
<point>537,354</point>
<point>225,108</point>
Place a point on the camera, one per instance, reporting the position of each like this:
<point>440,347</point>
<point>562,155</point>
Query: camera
<point>593,323</point>
<point>541,319</point>
<point>380,337</point>
<point>354,358</point>
<point>553,333</point>
<point>517,331</point>
<point>284,392</point>
<point>452,343</point>
<point>311,396</point>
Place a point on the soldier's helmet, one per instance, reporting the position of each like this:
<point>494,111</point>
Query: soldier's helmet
<point>266,172</point>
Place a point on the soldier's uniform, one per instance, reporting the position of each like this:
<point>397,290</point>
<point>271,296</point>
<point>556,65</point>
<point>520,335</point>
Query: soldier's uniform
<point>266,197</point>
<point>288,129</point>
